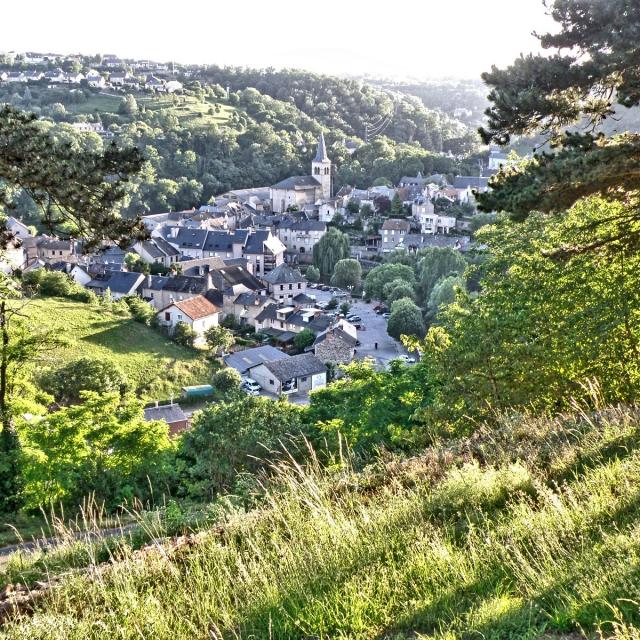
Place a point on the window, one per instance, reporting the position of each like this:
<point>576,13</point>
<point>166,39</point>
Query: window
<point>299,285</point>
<point>281,287</point>
<point>167,316</point>
<point>316,171</point>
<point>290,287</point>
<point>303,379</point>
<point>271,382</point>
<point>179,317</point>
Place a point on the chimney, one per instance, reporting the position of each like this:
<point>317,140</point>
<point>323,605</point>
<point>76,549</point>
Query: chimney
<point>209,282</point>
<point>171,401</point>
<point>149,280</point>
<point>156,404</point>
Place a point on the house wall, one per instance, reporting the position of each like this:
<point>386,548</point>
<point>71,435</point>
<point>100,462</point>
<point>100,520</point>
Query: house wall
<point>334,350</point>
<point>286,292</point>
<point>281,199</point>
<point>161,299</point>
<point>266,379</point>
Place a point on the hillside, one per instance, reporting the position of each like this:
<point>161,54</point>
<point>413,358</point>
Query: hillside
<point>155,366</point>
<point>527,530</point>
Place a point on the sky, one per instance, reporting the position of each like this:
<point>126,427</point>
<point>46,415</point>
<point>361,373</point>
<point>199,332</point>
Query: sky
<point>415,38</point>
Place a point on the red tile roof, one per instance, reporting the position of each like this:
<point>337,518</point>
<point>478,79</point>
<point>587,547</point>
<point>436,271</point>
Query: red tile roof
<point>197,307</point>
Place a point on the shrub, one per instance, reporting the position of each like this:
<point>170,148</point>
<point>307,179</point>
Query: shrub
<point>85,374</point>
<point>226,380</point>
<point>184,335</point>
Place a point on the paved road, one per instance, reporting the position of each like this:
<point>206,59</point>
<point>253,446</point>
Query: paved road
<point>374,330</point>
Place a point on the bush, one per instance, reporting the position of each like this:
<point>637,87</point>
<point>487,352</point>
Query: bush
<point>140,310</point>
<point>184,335</point>
<point>304,339</point>
<point>226,380</point>
<point>84,374</point>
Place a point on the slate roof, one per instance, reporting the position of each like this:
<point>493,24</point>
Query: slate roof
<point>297,182</point>
<point>337,333</point>
<point>169,249</point>
<point>255,241</point>
<point>179,284</point>
<point>189,238</point>
<point>393,224</point>
<point>117,281</point>
<point>197,307</point>
<point>251,299</point>
<point>475,182</point>
<point>303,298</point>
<point>242,361</point>
<point>283,274</point>
<point>304,364</point>
<point>233,275</point>
<point>152,249</point>
<point>170,413</point>
<point>56,245</point>
<point>304,225</point>
<point>321,152</point>
<point>429,240</point>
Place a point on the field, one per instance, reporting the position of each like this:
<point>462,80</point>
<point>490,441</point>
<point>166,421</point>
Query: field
<point>155,366</point>
<point>185,108</point>
<point>531,529</point>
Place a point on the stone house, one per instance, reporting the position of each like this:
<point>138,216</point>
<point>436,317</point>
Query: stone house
<point>296,374</point>
<point>197,312</point>
<point>335,346</point>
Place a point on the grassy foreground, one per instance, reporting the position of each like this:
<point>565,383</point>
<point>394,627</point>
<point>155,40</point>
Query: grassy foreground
<point>528,530</point>
<point>155,366</point>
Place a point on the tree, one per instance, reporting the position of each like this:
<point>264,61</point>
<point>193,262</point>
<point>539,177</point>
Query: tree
<point>226,380</point>
<point>332,304</point>
<point>397,289</point>
<point>103,447</point>
<point>444,292</point>
<point>332,247</point>
<point>396,205</point>
<point>344,308</point>
<point>304,339</point>
<point>592,71</point>
<point>312,274</point>
<point>382,205</point>
<point>353,206</point>
<point>128,106</point>
<point>379,276</point>
<point>184,334</point>
<point>435,263</point>
<point>134,262</point>
<point>405,319</point>
<point>78,191</point>
<point>219,339</point>
<point>67,383</point>
<point>347,274</point>
<point>228,438</point>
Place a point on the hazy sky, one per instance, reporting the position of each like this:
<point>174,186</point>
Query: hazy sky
<point>421,38</point>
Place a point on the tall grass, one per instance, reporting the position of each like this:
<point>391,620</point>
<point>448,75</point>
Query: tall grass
<point>528,530</point>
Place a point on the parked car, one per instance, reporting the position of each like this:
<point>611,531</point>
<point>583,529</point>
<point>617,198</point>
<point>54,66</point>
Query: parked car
<point>406,359</point>
<point>386,315</point>
<point>289,386</point>
<point>352,317</point>
<point>251,387</point>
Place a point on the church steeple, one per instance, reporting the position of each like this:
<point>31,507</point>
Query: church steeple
<point>321,168</point>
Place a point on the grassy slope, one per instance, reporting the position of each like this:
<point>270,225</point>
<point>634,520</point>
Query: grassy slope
<point>189,109</point>
<point>156,366</point>
<point>529,530</point>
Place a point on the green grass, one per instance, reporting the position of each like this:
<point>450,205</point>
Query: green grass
<point>188,109</point>
<point>155,366</point>
<point>528,530</point>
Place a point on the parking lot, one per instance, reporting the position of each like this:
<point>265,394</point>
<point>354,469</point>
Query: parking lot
<point>373,330</point>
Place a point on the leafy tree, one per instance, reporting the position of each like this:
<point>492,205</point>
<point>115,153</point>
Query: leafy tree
<point>396,205</point>
<point>405,319</point>
<point>344,308</point>
<point>353,206</point>
<point>543,330</point>
<point>312,274</point>
<point>229,438</point>
<point>366,211</point>
<point>347,274</point>
<point>102,447</point>
<point>593,69</point>
<point>128,106</point>
<point>184,334</point>
<point>219,339</point>
<point>134,262</point>
<point>370,407</point>
<point>73,187</point>
<point>444,292</point>
<point>332,304</point>
<point>379,276</point>
<point>67,383</point>
<point>397,289</point>
<point>382,205</point>
<point>226,380</point>
<point>304,339</point>
<point>332,247</point>
<point>436,263</point>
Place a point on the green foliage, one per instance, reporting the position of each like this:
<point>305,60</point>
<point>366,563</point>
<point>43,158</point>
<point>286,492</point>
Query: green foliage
<point>444,292</point>
<point>219,339</point>
<point>56,283</point>
<point>370,408</point>
<point>226,380</point>
<point>379,276</point>
<point>332,247</point>
<point>397,289</point>
<point>312,274</point>
<point>304,339</point>
<point>141,310</point>
<point>436,263</point>
<point>102,447</point>
<point>231,438</point>
<point>128,106</point>
<point>184,335</point>
<point>67,383</point>
<point>405,319</point>
<point>344,307</point>
<point>332,304</point>
<point>542,329</point>
<point>347,274</point>
<point>94,181</point>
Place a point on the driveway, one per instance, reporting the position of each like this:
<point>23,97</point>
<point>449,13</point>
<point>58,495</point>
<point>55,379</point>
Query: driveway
<point>374,330</point>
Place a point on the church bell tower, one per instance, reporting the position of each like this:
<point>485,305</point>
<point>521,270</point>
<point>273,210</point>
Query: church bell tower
<point>321,168</point>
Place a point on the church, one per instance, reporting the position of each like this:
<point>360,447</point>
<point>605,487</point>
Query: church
<point>298,191</point>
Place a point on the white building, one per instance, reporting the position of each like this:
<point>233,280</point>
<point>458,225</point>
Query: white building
<point>431,222</point>
<point>197,312</point>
